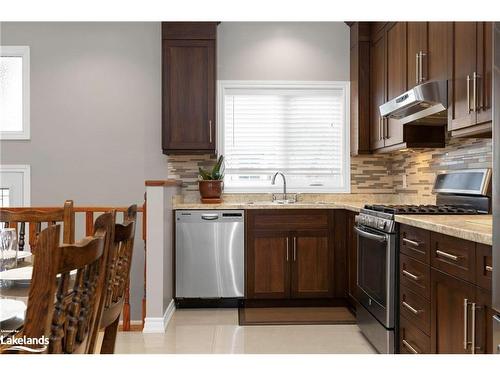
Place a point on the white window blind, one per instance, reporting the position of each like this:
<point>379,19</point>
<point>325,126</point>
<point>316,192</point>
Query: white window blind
<point>298,129</point>
<point>14,92</point>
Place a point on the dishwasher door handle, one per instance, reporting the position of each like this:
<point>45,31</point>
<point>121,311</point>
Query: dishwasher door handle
<point>209,216</point>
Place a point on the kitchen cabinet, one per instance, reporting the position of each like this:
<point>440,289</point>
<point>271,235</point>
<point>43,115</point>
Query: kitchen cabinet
<point>289,254</point>
<point>445,294</point>
<point>471,86</point>
<point>360,87</point>
<point>268,268</point>
<point>188,87</point>
<point>389,79</point>
<point>427,52</point>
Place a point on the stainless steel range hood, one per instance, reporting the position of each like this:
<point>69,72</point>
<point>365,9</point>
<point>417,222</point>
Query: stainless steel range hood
<point>425,104</point>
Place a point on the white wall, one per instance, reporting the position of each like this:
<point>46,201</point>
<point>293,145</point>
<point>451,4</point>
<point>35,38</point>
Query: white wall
<point>95,116</point>
<point>302,51</point>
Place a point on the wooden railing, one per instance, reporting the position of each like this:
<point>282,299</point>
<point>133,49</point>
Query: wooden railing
<point>90,215</point>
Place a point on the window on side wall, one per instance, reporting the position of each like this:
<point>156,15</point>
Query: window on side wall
<point>298,128</point>
<point>14,92</point>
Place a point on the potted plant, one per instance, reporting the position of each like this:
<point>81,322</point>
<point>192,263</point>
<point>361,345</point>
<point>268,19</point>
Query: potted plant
<point>210,182</point>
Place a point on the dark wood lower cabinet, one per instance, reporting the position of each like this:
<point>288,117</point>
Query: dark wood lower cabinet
<point>268,271</point>
<point>412,340</point>
<point>290,254</point>
<point>311,265</point>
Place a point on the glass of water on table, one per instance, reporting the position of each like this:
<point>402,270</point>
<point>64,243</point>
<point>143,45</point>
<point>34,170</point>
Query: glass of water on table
<point>8,252</point>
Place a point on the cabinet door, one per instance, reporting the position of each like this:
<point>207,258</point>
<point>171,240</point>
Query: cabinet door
<point>484,68</point>
<point>377,92</point>
<point>396,77</point>
<point>417,43</point>
<point>352,258</point>
<point>188,95</point>
<point>483,322</point>
<point>268,264</point>
<point>312,265</point>
<point>450,317</point>
<point>435,63</point>
<point>464,65</point>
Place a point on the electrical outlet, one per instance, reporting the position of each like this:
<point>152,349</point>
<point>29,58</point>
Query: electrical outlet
<point>405,182</point>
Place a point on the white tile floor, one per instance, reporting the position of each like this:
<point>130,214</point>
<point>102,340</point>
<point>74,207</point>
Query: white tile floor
<point>205,331</point>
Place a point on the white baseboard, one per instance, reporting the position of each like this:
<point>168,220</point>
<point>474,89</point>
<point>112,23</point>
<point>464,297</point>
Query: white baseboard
<point>159,325</point>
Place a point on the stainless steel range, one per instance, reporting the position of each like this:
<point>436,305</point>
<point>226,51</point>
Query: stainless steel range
<point>464,192</point>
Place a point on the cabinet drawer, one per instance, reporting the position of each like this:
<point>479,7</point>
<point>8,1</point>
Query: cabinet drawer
<point>415,309</point>
<point>415,242</point>
<point>412,340</point>
<point>415,276</point>
<point>453,256</point>
<point>484,268</point>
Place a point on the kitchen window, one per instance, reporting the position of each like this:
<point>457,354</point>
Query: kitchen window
<point>14,92</point>
<point>298,128</point>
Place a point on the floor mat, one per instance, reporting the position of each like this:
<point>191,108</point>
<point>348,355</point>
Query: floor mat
<point>294,315</point>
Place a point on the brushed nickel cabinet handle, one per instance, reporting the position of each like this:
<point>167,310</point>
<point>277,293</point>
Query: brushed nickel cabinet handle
<point>474,91</point>
<point>412,349</point>
<point>410,275</point>
<point>466,324</point>
<point>287,247</point>
<point>473,328</point>
<point>417,74</point>
<point>410,307</point>
<point>447,255</point>
<point>468,94</point>
<point>414,243</point>
<point>422,77</point>
<point>294,249</point>
<point>210,130</point>
<point>488,268</point>
<point>380,129</point>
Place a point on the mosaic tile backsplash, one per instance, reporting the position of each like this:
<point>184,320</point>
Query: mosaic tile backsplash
<point>378,173</point>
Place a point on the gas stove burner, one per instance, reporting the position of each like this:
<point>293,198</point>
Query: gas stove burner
<point>424,209</point>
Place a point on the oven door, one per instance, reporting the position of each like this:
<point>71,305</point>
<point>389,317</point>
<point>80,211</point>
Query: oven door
<point>377,273</point>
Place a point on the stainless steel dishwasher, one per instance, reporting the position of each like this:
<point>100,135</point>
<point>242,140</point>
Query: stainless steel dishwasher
<point>209,254</point>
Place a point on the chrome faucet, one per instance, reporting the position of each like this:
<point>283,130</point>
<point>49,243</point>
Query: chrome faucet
<point>273,181</point>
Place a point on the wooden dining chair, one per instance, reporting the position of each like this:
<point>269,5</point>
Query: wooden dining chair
<point>118,274</point>
<point>69,314</point>
<point>32,220</point>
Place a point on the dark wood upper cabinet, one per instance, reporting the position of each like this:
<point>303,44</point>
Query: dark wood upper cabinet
<point>188,87</point>
<point>427,52</point>
<point>378,90</point>
<point>471,90</point>
<point>360,87</point>
<point>389,78</point>
<point>396,77</point>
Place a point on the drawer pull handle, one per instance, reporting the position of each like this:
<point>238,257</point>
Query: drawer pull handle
<point>414,243</point>
<point>447,255</point>
<point>411,348</point>
<point>411,308</point>
<point>488,268</point>
<point>410,275</point>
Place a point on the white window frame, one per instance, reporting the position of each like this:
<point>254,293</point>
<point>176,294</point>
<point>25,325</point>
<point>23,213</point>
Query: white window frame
<point>25,170</point>
<point>24,52</point>
<point>223,85</point>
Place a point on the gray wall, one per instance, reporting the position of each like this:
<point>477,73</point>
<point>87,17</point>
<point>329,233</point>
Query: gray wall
<point>303,51</point>
<point>95,116</point>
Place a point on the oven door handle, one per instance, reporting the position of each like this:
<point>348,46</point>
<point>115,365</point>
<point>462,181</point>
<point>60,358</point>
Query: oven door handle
<point>371,236</point>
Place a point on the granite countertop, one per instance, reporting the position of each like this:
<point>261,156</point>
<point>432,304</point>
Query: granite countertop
<point>476,228</point>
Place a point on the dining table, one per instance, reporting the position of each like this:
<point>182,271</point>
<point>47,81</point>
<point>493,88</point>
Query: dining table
<point>17,290</point>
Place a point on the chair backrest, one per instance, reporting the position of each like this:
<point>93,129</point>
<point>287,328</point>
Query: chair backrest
<point>32,220</point>
<point>118,271</point>
<point>66,308</point>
